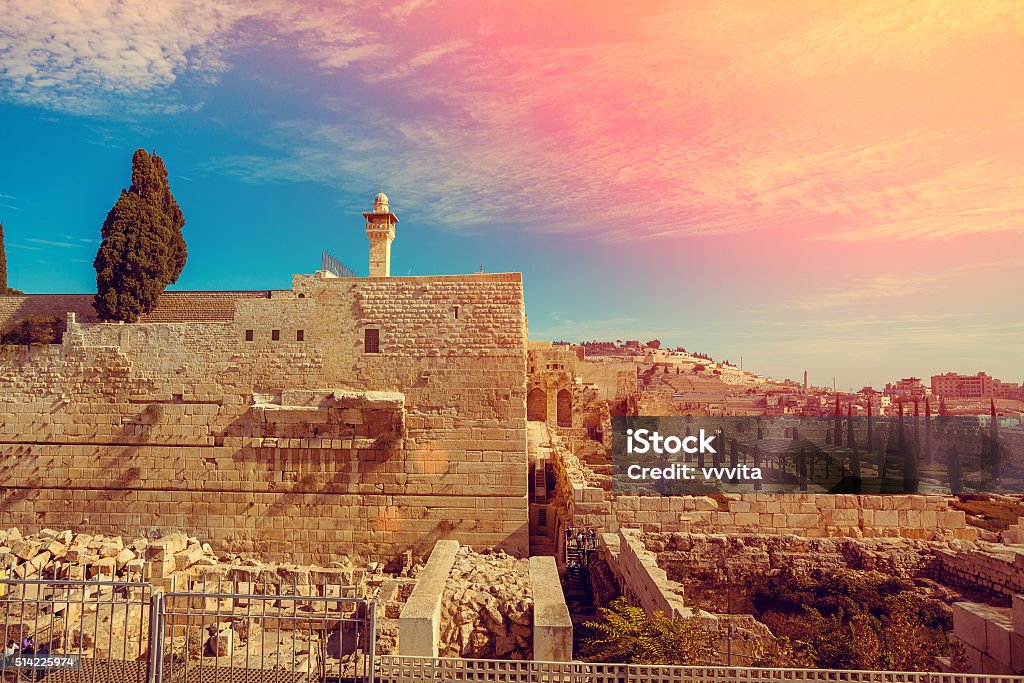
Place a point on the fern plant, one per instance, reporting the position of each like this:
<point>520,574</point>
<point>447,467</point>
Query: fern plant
<point>626,634</point>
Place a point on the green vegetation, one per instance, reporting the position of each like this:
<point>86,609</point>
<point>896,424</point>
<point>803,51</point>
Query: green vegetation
<point>37,330</point>
<point>3,262</point>
<point>852,620</point>
<point>4,289</point>
<point>625,634</point>
<point>143,250</point>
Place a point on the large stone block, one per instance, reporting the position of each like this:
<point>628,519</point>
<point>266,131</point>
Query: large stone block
<point>419,625</point>
<point>969,625</point>
<point>1017,610</point>
<point>552,625</point>
<point>997,634</point>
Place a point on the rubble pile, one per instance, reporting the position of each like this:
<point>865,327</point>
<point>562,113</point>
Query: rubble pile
<point>732,557</point>
<point>487,608</point>
<point>236,608</point>
<point>67,555</point>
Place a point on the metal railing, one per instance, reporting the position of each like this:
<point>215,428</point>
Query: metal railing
<point>226,630</point>
<point>214,630</point>
<point>106,624</point>
<point>334,266</point>
<point>300,631</point>
<point>399,669</point>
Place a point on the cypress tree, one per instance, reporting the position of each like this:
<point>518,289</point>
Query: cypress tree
<point>849,434</point>
<point>871,435</point>
<point>837,433</point>
<point>143,250</point>
<point>3,262</point>
<point>927,432</point>
<point>757,465</point>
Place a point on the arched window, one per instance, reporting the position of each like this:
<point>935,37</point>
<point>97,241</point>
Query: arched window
<point>537,405</point>
<point>564,405</point>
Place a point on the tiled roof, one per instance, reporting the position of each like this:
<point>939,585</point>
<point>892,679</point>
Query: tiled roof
<point>173,306</point>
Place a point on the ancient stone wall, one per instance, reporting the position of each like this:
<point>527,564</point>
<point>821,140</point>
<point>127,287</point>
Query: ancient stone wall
<point>272,430</point>
<point>590,504</point>
<point>993,569</point>
<point>804,514</point>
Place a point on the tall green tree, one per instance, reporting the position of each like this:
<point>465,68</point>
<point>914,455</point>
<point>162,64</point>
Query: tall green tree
<point>3,262</point>
<point>143,250</point>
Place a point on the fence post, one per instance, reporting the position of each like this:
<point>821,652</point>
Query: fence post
<point>156,637</point>
<point>373,639</point>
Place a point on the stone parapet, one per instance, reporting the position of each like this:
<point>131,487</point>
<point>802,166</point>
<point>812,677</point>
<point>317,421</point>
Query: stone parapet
<point>552,626</point>
<point>419,626</point>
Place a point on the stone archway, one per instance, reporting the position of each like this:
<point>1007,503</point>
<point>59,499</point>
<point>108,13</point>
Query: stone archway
<point>564,408</point>
<point>537,405</point>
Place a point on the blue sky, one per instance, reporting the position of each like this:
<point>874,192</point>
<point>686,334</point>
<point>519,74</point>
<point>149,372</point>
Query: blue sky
<point>842,194</point>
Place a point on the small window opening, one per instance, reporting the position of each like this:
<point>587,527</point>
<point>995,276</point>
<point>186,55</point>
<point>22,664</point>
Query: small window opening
<point>275,335</point>
<point>300,335</point>
<point>455,312</point>
<point>248,335</point>
<point>371,341</point>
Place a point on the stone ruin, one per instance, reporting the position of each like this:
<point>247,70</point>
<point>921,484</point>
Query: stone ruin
<point>487,607</point>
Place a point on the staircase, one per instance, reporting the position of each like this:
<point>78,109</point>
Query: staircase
<point>579,596</point>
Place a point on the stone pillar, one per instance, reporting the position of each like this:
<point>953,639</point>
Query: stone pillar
<point>419,625</point>
<point>552,627</point>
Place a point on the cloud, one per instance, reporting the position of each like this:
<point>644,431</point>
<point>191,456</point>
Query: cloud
<point>92,56</point>
<point>888,287</point>
<point>857,122</point>
<point>73,244</point>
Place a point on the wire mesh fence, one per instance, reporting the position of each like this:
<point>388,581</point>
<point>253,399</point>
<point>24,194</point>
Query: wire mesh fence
<point>220,630</point>
<point>213,629</point>
<point>102,626</point>
<point>217,629</point>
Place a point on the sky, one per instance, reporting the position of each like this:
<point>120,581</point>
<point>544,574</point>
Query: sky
<point>830,186</point>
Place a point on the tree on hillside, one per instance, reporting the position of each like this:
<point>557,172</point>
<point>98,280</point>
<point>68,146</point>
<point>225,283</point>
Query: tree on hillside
<point>3,262</point>
<point>143,250</point>
<point>4,289</point>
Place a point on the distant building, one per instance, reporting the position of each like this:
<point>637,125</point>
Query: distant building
<point>908,387</point>
<point>981,385</point>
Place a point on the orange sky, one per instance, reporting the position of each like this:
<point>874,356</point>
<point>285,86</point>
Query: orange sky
<point>837,185</point>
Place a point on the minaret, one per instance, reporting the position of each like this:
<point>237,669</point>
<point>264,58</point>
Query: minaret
<point>380,229</point>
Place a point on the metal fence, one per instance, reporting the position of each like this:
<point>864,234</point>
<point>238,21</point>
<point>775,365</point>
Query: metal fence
<point>397,669</point>
<point>106,624</point>
<point>214,630</point>
<point>225,631</point>
<point>334,266</point>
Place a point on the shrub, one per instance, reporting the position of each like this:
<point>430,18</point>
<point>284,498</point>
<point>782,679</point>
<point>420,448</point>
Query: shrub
<point>626,634</point>
<point>36,330</point>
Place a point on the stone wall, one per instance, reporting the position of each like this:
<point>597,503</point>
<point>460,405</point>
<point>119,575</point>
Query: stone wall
<point>272,431</point>
<point>992,637</point>
<point>589,503</point>
<point>639,575</point>
<point>804,514</point>
<point>996,570</point>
